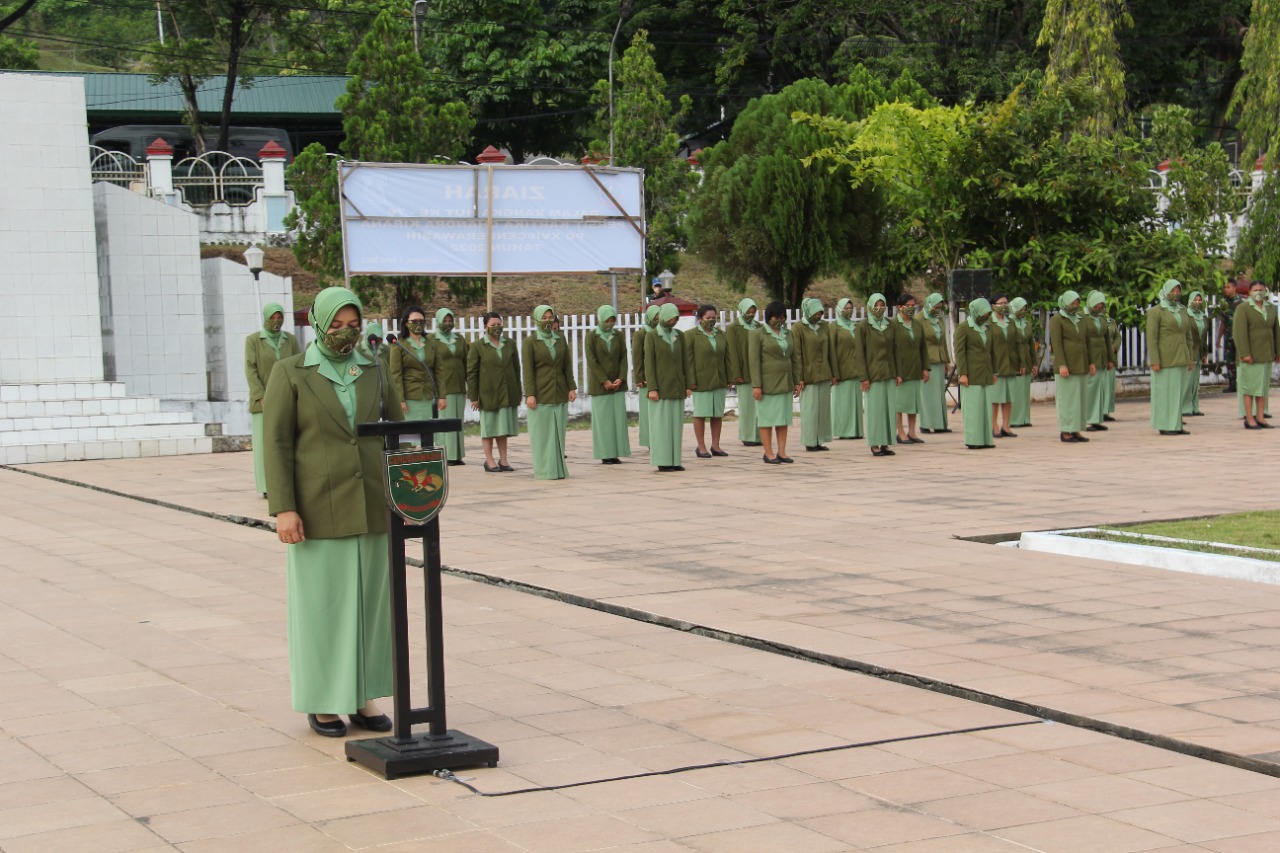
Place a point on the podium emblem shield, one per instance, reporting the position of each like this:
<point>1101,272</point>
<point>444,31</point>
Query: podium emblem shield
<point>417,482</point>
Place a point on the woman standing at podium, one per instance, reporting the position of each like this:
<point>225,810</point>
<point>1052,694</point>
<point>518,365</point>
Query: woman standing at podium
<point>262,350</point>
<point>325,488</point>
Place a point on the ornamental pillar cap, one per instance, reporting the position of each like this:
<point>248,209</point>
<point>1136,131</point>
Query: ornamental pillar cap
<point>159,148</point>
<point>491,155</point>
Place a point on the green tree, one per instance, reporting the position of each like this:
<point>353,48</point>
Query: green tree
<point>1258,99</point>
<point>1198,196</point>
<point>1082,39</point>
<point>18,54</point>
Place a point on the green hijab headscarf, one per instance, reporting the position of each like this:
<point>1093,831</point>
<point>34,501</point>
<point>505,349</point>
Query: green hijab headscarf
<point>1174,308</point>
<point>375,329</point>
<point>1015,310</point>
<point>331,300</point>
<point>878,323</point>
<point>603,314</point>
<point>651,315</point>
<point>847,325</point>
<point>930,302</point>
<point>272,337</point>
<point>809,307</point>
<point>979,308</point>
<point>1095,298</point>
<point>743,307</point>
<point>1200,316</point>
<point>544,333</point>
<point>1064,303</point>
<point>450,339</point>
<point>667,313</point>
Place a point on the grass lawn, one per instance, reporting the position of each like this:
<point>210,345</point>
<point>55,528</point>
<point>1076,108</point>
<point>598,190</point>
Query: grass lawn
<point>1250,529</point>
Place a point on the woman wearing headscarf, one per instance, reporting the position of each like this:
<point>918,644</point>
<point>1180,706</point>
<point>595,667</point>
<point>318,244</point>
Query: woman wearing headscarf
<point>1113,359</point>
<point>879,372</point>
<point>549,387</point>
<point>911,355</point>
<point>846,388</point>
<point>738,337</point>
<point>1029,358</point>
<point>1098,343</point>
<point>1257,339</point>
<point>706,369</point>
<point>372,341</point>
<point>1198,329</point>
<point>262,350</point>
<point>1169,354</point>
<point>1071,366</point>
<point>933,391</point>
<point>772,365</point>
<point>493,384</point>
<point>638,371</point>
<point>325,487</point>
<point>448,362</point>
<point>607,382</point>
<point>1006,360</point>
<point>975,369</point>
<point>664,363</point>
<point>813,375</point>
<point>410,374</point>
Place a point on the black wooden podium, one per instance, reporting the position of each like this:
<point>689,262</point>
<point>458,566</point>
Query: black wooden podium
<point>405,753</point>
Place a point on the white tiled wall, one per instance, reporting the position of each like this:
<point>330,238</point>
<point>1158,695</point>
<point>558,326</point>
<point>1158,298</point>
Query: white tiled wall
<point>48,266</point>
<point>232,313</point>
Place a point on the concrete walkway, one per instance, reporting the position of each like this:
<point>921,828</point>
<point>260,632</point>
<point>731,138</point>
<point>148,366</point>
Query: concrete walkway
<point>146,703</point>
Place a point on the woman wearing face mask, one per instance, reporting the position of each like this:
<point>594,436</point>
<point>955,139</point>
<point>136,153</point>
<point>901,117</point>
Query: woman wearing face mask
<point>372,340</point>
<point>325,487</point>
<point>447,354</point>
<point>262,350</point>
<point>1113,358</point>
<point>846,387</point>
<point>738,337</point>
<point>772,365</point>
<point>1198,330</point>
<point>1006,360</point>
<point>1028,358</point>
<point>410,373</point>
<point>664,363</point>
<point>1257,339</point>
<point>911,355</point>
<point>933,391</point>
<point>1098,344</point>
<point>606,377</point>
<point>1071,366</point>
<point>550,388</point>
<point>638,369</point>
<point>879,372</point>
<point>975,369</point>
<point>1169,354</point>
<point>813,375</point>
<point>493,383</point>
<point>706,369</point>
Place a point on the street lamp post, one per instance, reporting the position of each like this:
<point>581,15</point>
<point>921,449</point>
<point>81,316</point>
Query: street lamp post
<point>253,257</point>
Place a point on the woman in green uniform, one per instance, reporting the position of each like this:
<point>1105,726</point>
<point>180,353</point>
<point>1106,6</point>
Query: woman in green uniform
<point>1071,366</point>
<point>493,384</point>
<point>1006,360</point>
<point>549,387</point>
<point>706,369</point>
<point>879,373</point>
<point>262,350</point>
<point>607,381</point>
<point>813,375</point>
<point>410,374</point>
<point>1020,413</point>
<point>372,341</point>
<point>738,336</point>
<point>1097,342</point>
<point>975,369</point>
<point>933,391</point>
<point>772,365</point>
<point>1169,354</point>
<point>325,487</point>
<point>1113,360</point>
<point>846,388</point>
<point>1198,329</point>
<point>1257,340</point>
<point>664,363</point>
<point>447,355</point>
<point>638,372</point>
<point>911,355</point>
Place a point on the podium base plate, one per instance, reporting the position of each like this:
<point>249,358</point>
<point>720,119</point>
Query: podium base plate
<point>422,753</point>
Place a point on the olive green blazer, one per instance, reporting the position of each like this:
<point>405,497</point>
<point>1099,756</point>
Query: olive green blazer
<point>875,350</point>
<point>1067,341</point>
<point>706,369</point>
<point>910,351</point>
<point>493,379</point>
<point>315,464</point>
<point>1198,339</point>
<point>450,368</point>
<point>1168,341</point>
<point>259,358</point>
<point>772,370</point>
<point>1255,336</point>
<point>1006,346</point>
<point>637,357</point>
<point>409,375</point>
<point>1098,342</point>
<point>935,345</point>
<point>1113,340</point>
<point>739,337</point>
<point>664,366</point>
<point>547,378</point>
<point>812,353</point>
<point>843,352</point>
<point>606,363</point>
<point>975,358</point>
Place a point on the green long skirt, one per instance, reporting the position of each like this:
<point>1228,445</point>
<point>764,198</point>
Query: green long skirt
<point>846,409</point>
<point>643,404</point>
<point>1253,380</point>
<point>1109,393</point>
<point>1166,397</point>
<point>975,410</point>
<point>709,404</point>
<point>773,410</point>
<point>933,399</point>
<point>748,429</point>
<point>419,410</point>
<point>609,438</point>
<point>1069,393</point>
<point>499,423</point>
<point>339,622</point>
<point>259,472</point>
<point>906,397</point>
<point>1020,413</point>
<point>1094,403</point>
<point>1191,394</point>
<point>456,407</point>
<point>1002,391</point>
<point>666,431</point>
<point>547,426</point>
<point>878,408</point>
<point>815,414</point>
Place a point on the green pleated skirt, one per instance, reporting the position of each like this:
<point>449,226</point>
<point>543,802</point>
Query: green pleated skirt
<point>1166,397</point>
<point>1109,393</point>
<point>1068,393</point>
<point>773,410</point>
<point>709,404</point>
<point>609,439</point>
<point>259,472</point>
<point>666,432</point>
<point>1191,394</point>
<point>975,413</point>
<point>815,414</point>
<point>456,407</point>
<point>1094,400</point>
<point>877,405</point>
<point>748,429</point>
<point>906,397</point>
<point>643,404</point>
<point>846,409</point>
<point>1002,391</point>
<point>1020,412</point>
<point>547,425</point>
<point>933,399</point>
<point>499,422</point>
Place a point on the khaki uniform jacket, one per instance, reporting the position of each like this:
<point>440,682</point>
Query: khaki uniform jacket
<point>493,379</point>
<point>1168,343</point>
<point>1097,342</point>
<point>1113,340</point>
<point>843,352</point>
<point>706,369</point>
<point>259,358</point>
<point>910,351</point>
<point>1255,336</point>
<point>450,368</point>
<point>409,375</point>
<point>1007,349</point>
<point>637,357</point>
<point>548,379</point>
<point>605,363</point>
<point>772,370</point>
<point>935,345</point>
<point>664,366</point>
<point>315,464</point>
<point>812,353</point>
<point>1067,340</point>
<point>875,350</point>
<point>974,356</point>
<point>739,338</point>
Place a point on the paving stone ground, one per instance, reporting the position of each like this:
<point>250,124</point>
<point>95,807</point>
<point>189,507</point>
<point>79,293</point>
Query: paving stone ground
<point>145,701</point>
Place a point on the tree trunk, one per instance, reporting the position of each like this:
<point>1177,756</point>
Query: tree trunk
<point>235,46</point>
<point>14,16</point>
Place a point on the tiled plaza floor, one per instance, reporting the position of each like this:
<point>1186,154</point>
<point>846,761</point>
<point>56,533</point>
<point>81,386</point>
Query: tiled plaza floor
<point>145,700</point>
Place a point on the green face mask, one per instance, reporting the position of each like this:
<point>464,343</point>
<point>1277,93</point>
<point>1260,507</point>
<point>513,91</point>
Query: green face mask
<point>1000,308</point>
<point>671,324</point>
<point>447,327</point>
<point>415,326</point>
<point>707,323</point>
<point>494,331</point>
<point>1258,295</point>
<point>545,325</point>
<point>275,324</point>
<point>1174,297</point>
<point>775,323</point>
<point>878,309</point>
<point>908,311</point>
<point>341,341</point>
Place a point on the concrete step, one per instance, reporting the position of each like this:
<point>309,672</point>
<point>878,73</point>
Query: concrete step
<point>116,449</point>
<point>74,407</point>
<point>93,421</point>
<point>172,429</point>
<point>32,392</point>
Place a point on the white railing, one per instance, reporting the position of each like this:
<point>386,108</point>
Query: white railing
<point>216,176</point>
<point>117,167</point>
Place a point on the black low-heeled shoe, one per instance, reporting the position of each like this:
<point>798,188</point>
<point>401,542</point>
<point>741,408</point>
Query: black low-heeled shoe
<point>496,469</point>
<point>887,452</point>
<point>701,455</point>
<point>380,723</point>
<point>715,452</point>
<point>1108,418</point>
<point>505,468</point>
<point>875,451</point>
<point>456,462</point>
<point>333,728</point>
<point>774,461</point>
<point>785,460</point>
<point>1095,428</point>
<point>753,444</point>
<point>1248,425</point>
